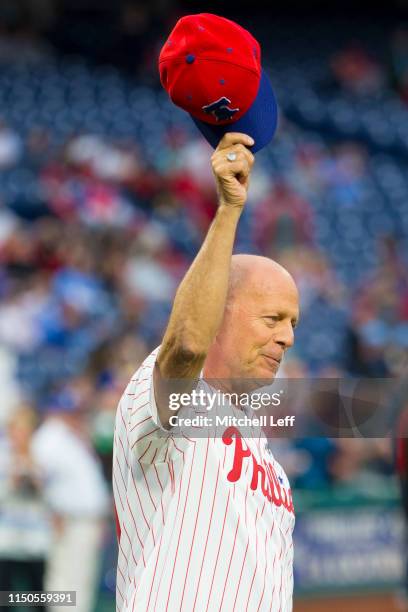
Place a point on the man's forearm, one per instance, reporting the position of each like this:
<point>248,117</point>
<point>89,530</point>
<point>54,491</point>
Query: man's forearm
<point>200,300</point>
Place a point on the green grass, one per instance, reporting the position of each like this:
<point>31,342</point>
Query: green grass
<point>106,603</point>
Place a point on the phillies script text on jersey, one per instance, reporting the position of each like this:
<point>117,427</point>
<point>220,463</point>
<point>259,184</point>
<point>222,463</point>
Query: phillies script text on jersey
<point>269,481</point>
<point>204,523</point>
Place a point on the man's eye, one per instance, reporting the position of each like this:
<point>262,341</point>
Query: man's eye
<point>271,320</point>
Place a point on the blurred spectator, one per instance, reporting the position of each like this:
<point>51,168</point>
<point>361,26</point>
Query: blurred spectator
<point>76,494</point>
<point>399,61</point>
<point>357,460</point>
<point>356,71</point>
<point>10,389</point>
<point>284,219</point>
<point>139,30</point>
<point>24,522</point>
<point>380,320</point>
<point>10,146</point>
<point>314,276</point>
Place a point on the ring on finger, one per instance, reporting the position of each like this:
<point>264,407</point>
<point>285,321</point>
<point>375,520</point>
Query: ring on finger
<point>231,157</point>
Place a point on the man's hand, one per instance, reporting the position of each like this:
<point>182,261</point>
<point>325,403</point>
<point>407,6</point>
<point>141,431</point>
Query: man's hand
<point>232,177</point>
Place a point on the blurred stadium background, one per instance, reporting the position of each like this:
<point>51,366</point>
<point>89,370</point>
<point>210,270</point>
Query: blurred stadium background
<point>105,196</point>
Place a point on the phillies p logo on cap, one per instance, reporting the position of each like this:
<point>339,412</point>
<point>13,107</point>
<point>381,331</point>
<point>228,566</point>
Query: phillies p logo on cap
<point>211,68</point>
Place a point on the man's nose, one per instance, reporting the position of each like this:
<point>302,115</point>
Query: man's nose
<point>285,335</point>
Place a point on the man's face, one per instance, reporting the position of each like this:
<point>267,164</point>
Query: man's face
<point>258,328</point>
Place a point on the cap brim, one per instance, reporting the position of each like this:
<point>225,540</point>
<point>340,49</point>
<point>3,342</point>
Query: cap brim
<point>259,121</point>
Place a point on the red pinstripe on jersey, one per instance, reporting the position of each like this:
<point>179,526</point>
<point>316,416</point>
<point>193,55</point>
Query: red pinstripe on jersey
<point>193,540</point>
<point>181,528</point>
<point>197,530</point>
<point>206,541</point>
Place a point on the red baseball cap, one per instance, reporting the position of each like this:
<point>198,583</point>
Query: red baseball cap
<point>211,67</point>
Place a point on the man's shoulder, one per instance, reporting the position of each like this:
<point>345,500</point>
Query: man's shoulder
<point>139,381</point>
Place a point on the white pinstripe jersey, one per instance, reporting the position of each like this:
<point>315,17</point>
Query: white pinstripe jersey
<point>205,523</point>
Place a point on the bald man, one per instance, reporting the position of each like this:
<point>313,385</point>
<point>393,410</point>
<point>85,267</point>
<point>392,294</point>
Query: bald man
<point>205,521</point>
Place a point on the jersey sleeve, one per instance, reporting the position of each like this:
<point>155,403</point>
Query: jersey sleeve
<point>149,441</point>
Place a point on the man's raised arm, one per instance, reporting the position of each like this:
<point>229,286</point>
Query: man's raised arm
<point>200,299</point>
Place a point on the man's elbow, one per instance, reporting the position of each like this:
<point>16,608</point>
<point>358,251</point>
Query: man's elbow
<point>181,358</point>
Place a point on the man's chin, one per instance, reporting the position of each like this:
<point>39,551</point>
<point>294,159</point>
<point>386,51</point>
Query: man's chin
<point>267,373</point>
<point>257,381</point>
<point>264,381</point>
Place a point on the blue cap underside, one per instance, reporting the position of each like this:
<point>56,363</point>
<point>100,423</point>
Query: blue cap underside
<point>259,121</point>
